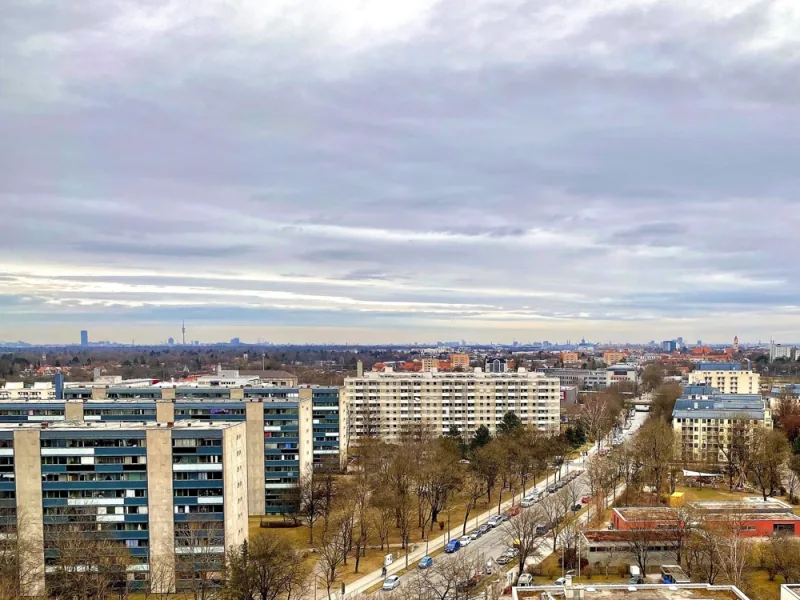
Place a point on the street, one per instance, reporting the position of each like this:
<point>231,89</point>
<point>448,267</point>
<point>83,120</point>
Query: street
<point>494,543</point>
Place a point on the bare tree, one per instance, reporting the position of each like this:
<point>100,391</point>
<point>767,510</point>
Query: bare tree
<point>526,534</point>
<point>641,543</point>
<point>552,509</point>
<point>332,550</point>
<point>735,447</point>
<point>382,516</point>
<point>266,568</point>
<point>656,447</point>
<point>701,556</point>
<point>446,579</point>
<point>732,549</point>
<point>200,557</point>
<point>20,571</point>
<point>769,451</point>
<point>473,488</point>
<point>312,503</point>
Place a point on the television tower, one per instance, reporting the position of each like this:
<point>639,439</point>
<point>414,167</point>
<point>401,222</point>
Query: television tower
<point>183,332</point>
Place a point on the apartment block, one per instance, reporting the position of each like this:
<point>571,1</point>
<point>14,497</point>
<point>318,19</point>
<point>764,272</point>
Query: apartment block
<point>590,379</point>
<point>570,358</point>
<point>459,361</point>
<point>706,426</point>
<point>290,431</point>
<point>728,378</point>
<point>612,357</point>
<point>381,404</point>
<point>162,494</point>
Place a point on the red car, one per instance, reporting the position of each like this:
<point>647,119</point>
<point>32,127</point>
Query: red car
<point>514,511</point>
<point>586,499</point>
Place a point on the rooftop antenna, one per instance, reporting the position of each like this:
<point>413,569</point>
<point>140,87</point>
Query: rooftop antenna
<point>183,332</point>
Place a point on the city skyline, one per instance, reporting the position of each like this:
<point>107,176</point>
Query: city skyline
<point>416,171</point>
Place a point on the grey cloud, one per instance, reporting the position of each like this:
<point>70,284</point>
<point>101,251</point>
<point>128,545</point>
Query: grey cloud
<point>470,153</point>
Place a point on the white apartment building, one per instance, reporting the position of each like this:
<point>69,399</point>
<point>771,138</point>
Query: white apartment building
<point>380,404</point>
<point>16,390</point>
<point>706,424</point>
<point>727,378</point>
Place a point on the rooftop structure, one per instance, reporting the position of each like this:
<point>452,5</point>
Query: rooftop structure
<point>680,591</point>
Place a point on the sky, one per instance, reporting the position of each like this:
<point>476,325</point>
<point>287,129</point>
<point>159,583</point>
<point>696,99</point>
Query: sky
<point>366,171</point>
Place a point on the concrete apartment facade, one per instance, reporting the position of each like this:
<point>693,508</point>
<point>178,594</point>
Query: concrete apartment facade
<point>612,357</point>
<point>143,486</point>
<point>706,424</point>
<point>290,431</point>
<point>381,404</point>
<point>728,378</point>
<point>591,379</point>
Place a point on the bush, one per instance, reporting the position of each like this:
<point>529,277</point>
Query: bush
<point>587,572</point>
<point>622,570</point>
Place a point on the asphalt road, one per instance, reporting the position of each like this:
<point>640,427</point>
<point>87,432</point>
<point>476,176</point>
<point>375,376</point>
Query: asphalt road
<point>494,543</point>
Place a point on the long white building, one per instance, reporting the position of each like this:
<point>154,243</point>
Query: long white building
<point>381,403</point>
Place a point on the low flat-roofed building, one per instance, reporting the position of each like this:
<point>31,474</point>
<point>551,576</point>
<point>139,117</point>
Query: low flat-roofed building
<point>679,591</point>
<point>611,546</point>
<point>790,591</point>
<point>758,518</point>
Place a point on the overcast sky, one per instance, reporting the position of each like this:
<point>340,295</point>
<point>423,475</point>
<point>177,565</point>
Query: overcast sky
<point>373,171</point>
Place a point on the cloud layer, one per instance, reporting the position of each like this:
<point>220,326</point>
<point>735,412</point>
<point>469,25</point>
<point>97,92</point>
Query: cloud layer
<point>375,171</point>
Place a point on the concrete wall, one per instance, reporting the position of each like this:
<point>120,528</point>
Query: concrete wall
<point>254,414</point>
<point>73,410</point>
<point>234,481</point>
<point>28,477</point>
<point>237,393</point>
<point>165,410</point>
<point>168,393</point>
<point>305,417</point>
<point>159,507</point>
<point>98,393</point>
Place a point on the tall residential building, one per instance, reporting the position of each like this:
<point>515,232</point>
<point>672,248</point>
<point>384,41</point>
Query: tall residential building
<point>570,358</point>
<point>459,361</point>
<point>166,494</point>
<point>381,404</point>
<point>612,357</point>
<point>707,422</point>
<point>728,378</point>
<point>84,337</point>
<point>496,365</point>
<point>290,432</point>
<point>669,345</point>
<point>429,363</point>
<point>777,351</point>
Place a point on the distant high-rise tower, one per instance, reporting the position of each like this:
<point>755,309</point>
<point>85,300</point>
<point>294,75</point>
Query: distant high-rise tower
<point>183,332</point>
<point>84,337</point>
<point>736,343</point>
<point>170,341</point>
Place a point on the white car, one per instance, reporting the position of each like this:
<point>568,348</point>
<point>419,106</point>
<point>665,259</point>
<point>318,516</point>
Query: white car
<point>391,583</point>
<point>465,540</point>
<point>525,579</point>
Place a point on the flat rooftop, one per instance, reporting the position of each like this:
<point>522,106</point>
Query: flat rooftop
<point>622,535</point>
<point>118,425</point>
<point>697,591</point>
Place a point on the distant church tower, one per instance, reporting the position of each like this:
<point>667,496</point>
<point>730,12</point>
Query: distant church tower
<point>736,343</point>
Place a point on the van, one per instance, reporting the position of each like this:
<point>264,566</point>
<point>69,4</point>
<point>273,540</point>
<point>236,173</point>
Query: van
<point>634,571</point>
<point>452,546</point>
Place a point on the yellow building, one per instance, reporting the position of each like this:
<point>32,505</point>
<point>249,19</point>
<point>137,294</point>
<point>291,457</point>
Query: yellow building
<point>612,357</point>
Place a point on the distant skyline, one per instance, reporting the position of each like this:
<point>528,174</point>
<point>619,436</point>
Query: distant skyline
<point>354,172</point>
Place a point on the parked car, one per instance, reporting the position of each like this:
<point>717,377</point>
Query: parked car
<point>390,583</point>
<point>452,546</point>
<point>586,499</point>
<point>426,562</point>
<point>465,540</point>
<point>527,502</point>
<point>512,552</point>
<point>551,489</point>
<point>475,534</point>
<point>504,559</point>
<point>494,521</point>
<point>466,584</point>
<point>576,507</point>
<point>513,512</point>
<point>525,580</point>
<point>542,529</point>
<point>485,528</point>
<point>560,581</point>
